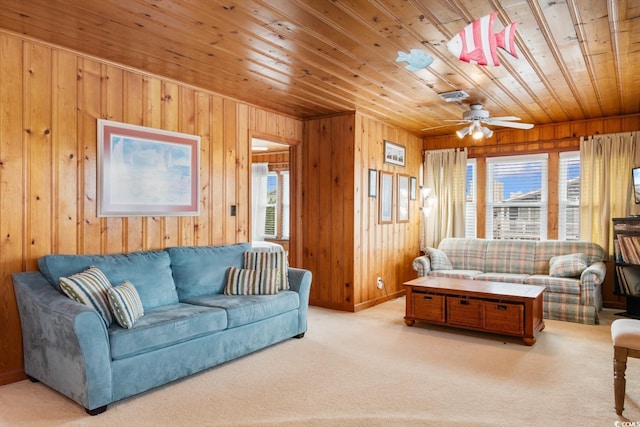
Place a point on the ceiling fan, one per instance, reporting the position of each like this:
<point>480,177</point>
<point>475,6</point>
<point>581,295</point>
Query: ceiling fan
<point>476,117</point>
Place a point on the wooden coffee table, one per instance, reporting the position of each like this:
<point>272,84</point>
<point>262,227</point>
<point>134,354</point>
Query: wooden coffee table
<point>504,308</point>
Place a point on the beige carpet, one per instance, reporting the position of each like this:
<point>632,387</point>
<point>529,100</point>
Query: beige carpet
<point>370,369</point>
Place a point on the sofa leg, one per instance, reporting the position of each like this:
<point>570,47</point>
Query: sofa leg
<point>299,335</point>
<point>96,411</point>
<point>33,380</point>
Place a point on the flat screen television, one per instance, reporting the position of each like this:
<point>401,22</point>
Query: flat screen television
<point>635,174</point>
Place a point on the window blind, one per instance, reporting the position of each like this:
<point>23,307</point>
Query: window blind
<point>516,195</point>
<point>569,196</point>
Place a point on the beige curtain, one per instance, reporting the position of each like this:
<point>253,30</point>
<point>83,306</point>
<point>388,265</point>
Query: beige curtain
<point>444,212</point>
<point>605,184</point>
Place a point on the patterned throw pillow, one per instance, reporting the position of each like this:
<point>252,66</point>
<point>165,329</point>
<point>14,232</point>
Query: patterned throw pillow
<point>125,304</point>
<point>242,281</point>
<point>257,260</point>
<point>571,265</point>
<point>439,260</point>
<point>89,288</point>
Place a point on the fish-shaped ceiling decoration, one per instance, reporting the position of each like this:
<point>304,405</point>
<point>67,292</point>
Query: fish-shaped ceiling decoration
<point>416,59</point>
<point>477,44</point>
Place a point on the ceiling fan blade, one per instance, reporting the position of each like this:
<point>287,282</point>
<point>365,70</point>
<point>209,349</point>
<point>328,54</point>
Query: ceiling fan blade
<point>509,124</point>
<point>506,118</point>
<point>441,126</point>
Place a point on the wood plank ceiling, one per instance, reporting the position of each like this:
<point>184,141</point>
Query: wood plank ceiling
<point>577,59</point>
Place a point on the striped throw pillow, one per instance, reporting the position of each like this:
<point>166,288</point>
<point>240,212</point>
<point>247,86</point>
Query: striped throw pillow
<point>125,304</point>
<point>89,288</point>
<point>242,281</point>
<point>258,260</point>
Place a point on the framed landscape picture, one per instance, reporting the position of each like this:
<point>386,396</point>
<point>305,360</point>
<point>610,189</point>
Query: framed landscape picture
<point>394,153</point>
<point>146,172</point>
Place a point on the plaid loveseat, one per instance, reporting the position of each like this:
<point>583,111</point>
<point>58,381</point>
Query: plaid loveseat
<point>571,272</point>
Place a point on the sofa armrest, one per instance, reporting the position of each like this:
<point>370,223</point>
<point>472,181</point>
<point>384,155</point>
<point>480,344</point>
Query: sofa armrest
<point>300,282</point>
<point>65,343</point>
<point>598,269</point>
<point>422,265</point>
<point>590,279</point>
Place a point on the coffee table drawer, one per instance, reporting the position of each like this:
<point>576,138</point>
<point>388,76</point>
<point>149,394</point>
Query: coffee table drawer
<point>504,317</point>
<point>428,307</point>
<point>464,311</point>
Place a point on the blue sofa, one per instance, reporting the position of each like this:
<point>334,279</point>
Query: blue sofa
<point>188,325</point>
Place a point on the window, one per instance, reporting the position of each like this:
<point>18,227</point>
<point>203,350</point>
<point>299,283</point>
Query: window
<point>470,200</point>
<point>277,206</point>
<point>284,175</point>
<point>569,196</point>
<point>517,197</point>
<point>271,221</point>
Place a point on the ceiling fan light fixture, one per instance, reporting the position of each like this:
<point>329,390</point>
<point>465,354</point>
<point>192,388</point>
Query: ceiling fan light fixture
<point>488,133</point>
<point>462,132</point>
<point>476,130</point>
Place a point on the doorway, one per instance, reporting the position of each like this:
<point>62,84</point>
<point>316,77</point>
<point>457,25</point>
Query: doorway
<point>273,197</point>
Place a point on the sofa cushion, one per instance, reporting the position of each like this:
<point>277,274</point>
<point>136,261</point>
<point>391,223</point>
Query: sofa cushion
<point>241,281</point>
<point>548,248</point>
<point>244,309</point>
<point>510,256</point>
<point>464,254</point>
<point>458,274</point>
<point>502,277</point>
<point>570,265</point>
<point>560,285</point>
<point>439,260</point>
<point>89,288</point>
<point>165,326</point>
<point>149,270</point>
<point>125,304</point>
<point>202,270</point>
<point>276,260</point>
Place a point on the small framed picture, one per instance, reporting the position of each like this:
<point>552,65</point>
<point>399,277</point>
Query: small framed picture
<point>402,203</point>
<point>412,188</point>
<point>373,183</point>
<point>394,154</point>
<point>386,198</point>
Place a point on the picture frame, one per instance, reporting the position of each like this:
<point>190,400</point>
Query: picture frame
<point>385,215</point>
<point>373,183</point>
<point>402,194</point>
<point>413,188</point>
<point>144,171</point>
<point>394,154</point>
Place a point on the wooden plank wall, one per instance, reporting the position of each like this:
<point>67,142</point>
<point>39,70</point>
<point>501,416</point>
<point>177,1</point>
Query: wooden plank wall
<point>346,248</point>
<point>50,99</point>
